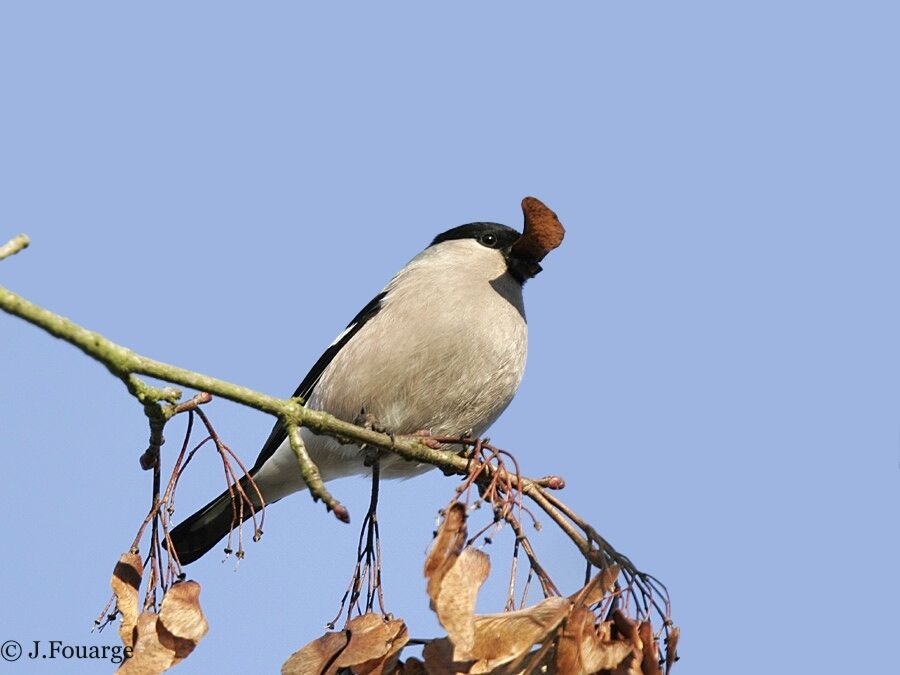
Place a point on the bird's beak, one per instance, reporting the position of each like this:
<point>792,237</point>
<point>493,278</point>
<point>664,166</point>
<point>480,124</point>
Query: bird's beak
<point>521,267</point>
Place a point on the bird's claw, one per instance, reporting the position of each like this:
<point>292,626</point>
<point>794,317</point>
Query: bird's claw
<point>369,421</point>
<point>425,438</point>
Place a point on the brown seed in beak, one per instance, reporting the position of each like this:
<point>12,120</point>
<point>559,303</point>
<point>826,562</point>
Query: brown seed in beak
<point>543,231</point>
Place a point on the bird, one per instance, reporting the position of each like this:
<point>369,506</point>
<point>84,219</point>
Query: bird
<point>440,350</point>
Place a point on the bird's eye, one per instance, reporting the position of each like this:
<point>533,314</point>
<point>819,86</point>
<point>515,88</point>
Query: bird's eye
<point>488,239</point>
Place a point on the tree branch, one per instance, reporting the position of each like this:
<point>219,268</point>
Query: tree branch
<point>311,476</point>
<point>14,245</point>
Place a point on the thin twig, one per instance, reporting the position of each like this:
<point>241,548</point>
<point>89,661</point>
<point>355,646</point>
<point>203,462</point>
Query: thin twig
<point>236,491</point>
<point>547,586</point>
<point>311,476</point>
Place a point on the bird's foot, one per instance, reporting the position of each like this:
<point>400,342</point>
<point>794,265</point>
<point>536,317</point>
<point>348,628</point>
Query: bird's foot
<point>427,439</point>
<point>369,421</point>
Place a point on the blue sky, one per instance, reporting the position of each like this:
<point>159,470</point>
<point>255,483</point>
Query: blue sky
<point>713,360</point>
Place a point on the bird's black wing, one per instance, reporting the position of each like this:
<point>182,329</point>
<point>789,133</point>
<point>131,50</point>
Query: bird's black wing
<point>278,434</point>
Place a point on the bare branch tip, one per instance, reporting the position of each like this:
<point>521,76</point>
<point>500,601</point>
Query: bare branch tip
<point>555,482</point>
<point>14,245</point>
<point>341,513</point>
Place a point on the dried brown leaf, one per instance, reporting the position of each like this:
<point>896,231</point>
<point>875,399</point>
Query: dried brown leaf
<point>478,644</point>
<point>650,659</point>
<point>455,602</point>
<point>448,544</point>
<point>630,666</point>
<point>501,638</point>
<point>569,659</point>
<point>438,655</point>
<point>672,647</point>
<point>537,661</point>
<point>369,645</point>
<point>312,658</point>
<point>582,647</point>
<point>439,660</point>
<point>150,656</point>
<point>181,624</point>
<point>126,583</point>
<point>374,644</point>
<point>595,590</point>
<point>505,642</point>
<point>604,630</point>
<point>167,638</point>
<point>627,629</point>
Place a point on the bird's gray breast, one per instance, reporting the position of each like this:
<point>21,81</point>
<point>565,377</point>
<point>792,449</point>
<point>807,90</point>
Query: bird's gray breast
<point>445,354</point>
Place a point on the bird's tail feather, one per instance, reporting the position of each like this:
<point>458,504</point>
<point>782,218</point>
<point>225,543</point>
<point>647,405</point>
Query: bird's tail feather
<point>198,533</point>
